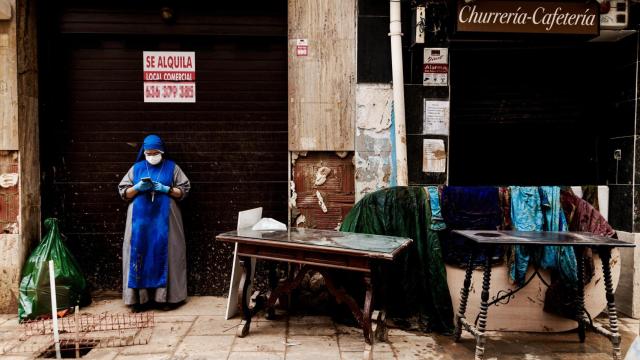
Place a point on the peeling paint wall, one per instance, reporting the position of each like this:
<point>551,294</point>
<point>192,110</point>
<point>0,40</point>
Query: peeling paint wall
<point>373,138</point>
<point>322,189</point>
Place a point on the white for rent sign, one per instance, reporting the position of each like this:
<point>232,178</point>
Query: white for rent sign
<point>169,76</point>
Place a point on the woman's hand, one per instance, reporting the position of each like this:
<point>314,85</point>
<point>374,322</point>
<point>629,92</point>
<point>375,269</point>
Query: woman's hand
<point>143,186</point>
<point>159,187</point>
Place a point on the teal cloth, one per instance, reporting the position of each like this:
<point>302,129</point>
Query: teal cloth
<point>437,221</point>
<point>539,209</point>
<point>526,215</point>
<point>559,258</point>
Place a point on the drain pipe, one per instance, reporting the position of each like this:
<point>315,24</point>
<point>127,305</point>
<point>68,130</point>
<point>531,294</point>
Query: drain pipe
<point>395,33</point>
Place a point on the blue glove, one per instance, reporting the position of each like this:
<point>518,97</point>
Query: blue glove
<point>160,188</point>
<point>143,186</point>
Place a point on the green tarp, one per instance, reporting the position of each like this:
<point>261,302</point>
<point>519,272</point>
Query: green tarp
<point>71,288</point>
<point>415,284</point>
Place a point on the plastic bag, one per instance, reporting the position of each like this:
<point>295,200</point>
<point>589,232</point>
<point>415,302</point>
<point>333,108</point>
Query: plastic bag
<point>269,224</point>
<point>71,287</point>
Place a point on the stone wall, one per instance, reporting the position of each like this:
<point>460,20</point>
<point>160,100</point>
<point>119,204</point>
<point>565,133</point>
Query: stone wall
<point>19,150</point>
<point>9,188</point>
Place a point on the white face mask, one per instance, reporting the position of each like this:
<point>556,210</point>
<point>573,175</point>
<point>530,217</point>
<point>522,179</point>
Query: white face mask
<point>153,159</point>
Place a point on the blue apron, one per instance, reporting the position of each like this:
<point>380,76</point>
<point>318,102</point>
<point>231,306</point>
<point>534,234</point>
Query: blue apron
<point>148,263</point>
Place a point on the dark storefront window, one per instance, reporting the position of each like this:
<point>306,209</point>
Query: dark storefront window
<point>534,113</point>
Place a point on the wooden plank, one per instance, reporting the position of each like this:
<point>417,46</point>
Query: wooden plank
<point>337,191</point>
<point>322,84</point>
<point>8,85</point>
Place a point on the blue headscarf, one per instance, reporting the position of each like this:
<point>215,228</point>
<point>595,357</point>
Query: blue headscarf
<point>151,142</point>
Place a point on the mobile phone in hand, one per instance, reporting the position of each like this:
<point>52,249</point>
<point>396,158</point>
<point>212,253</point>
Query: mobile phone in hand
<point>146,179</point>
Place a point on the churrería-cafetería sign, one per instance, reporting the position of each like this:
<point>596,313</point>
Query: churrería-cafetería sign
<point>534,17</point>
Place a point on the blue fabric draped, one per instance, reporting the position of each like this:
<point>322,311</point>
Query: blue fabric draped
<point>526,215</point>
<point>560,258</point>
<point>437,221</point>
<point>468,208</point>
<point>151,142</point>
<point>539,209</point>
<point>148,264</point>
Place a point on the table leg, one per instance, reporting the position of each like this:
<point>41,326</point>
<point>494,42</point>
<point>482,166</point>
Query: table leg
<point>484,306</point>
<point>366,316</point>
<point>579,250</point>
<point>286,287</point>
<point>380,332</point>
<point>605,256</point>
<point>464,296</point>
<point>244,297</point>
<point>362,316</point>
<point>273,285</point>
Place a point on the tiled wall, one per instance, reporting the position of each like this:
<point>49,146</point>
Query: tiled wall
<point>623,129</point>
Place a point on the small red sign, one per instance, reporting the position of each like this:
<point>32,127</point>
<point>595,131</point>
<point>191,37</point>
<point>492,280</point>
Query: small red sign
<point>302,50</point>
<point>436,68</point>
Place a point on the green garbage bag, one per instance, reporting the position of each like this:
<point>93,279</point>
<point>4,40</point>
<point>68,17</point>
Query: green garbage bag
<point>71,287</point>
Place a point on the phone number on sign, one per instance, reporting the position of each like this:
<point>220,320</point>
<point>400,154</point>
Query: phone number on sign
<point>169,92</point>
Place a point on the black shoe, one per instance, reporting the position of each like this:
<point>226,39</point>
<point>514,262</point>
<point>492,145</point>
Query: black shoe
<point>171,306</point>
<point>137,308</point>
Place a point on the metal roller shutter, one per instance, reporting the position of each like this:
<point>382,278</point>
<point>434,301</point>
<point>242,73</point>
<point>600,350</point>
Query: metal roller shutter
<point>232,143</point>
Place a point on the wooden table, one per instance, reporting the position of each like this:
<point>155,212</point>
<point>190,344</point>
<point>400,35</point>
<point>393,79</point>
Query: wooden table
<point>321,251</point>
<point>487,241</point>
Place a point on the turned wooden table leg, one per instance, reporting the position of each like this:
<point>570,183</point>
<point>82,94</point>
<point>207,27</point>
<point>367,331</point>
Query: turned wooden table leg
<point>464,297</point>
<point>579,250</point>
<point>484,306</point>
<point>244,297</point>
<point>605,256</point>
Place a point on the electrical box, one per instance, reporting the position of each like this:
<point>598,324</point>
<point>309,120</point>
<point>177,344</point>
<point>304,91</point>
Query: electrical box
<point>614,14</point>
<point>417,25</point>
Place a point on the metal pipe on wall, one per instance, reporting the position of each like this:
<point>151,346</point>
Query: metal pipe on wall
<point>395,33</point>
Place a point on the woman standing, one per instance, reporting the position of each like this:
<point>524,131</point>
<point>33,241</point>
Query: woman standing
<point>154,263</point>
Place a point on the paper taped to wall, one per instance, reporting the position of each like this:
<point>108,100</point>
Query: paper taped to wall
<point>434,156</point>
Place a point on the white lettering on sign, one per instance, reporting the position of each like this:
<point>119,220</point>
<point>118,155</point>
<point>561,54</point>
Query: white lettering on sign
<point>549,18</point>
<point>169,76</point>
<point>169,92</point>
<point>435,67</point>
